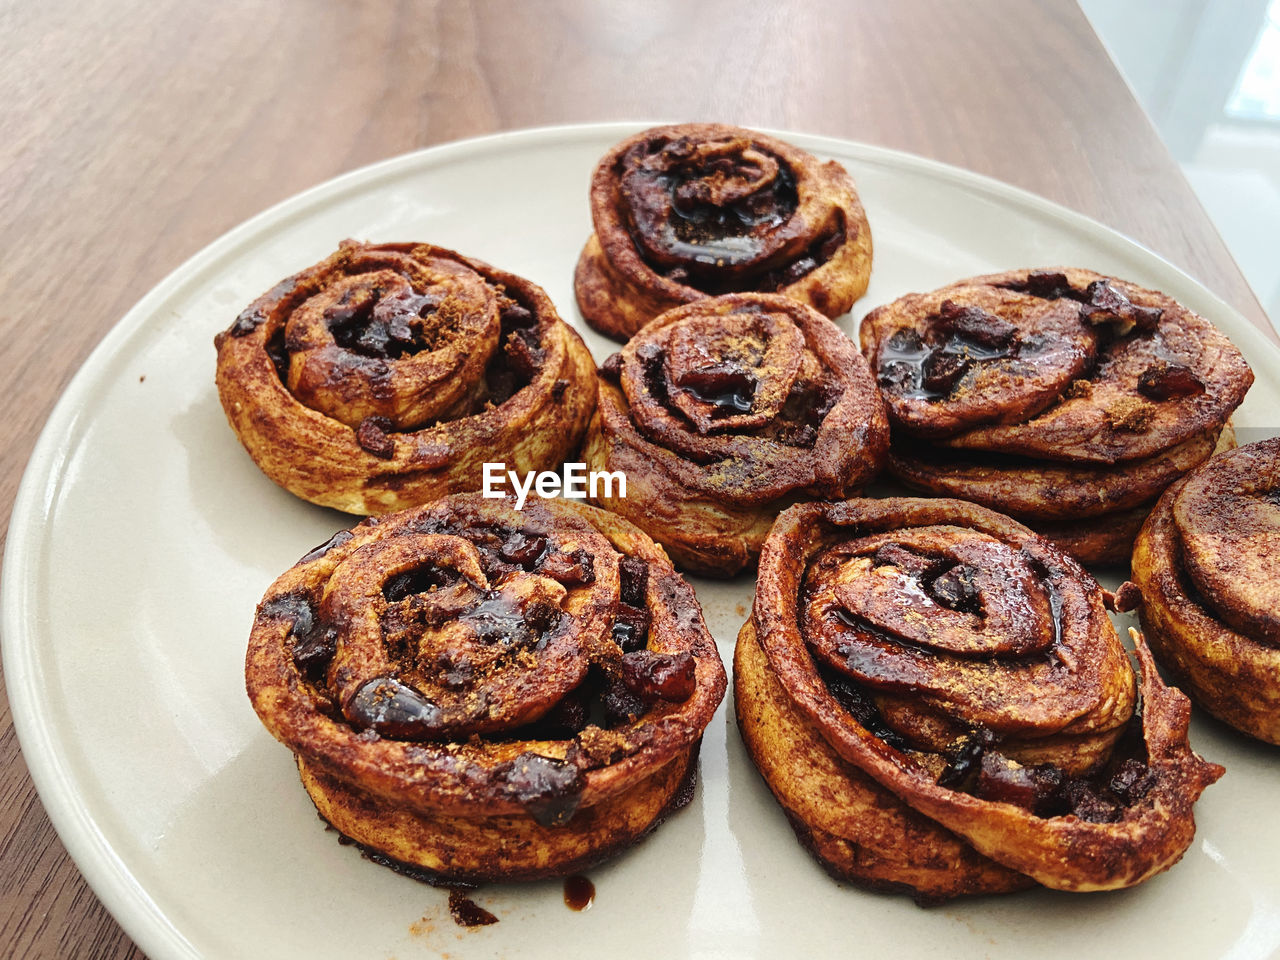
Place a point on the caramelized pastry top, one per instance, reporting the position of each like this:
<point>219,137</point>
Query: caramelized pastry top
<point>471,659</point>
<point>1058,365</point>
<point>386,374</point>
<point>764,395</point>
<point>1228,517</point>
<point>716,209</point>
<point>1206,580</point>
<point>969,667</point>
<point>701,209</point>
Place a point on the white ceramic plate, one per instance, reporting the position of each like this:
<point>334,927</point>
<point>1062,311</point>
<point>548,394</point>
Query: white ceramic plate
<point>143,537</point>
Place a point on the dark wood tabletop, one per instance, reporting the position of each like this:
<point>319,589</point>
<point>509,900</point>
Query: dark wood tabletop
<point>134,133</point>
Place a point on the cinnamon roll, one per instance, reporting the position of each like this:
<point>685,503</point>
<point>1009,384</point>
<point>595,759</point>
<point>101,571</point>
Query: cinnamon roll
<point>387,374</point>
<point>938,700</point>
<point>724,411</point>
<point>478,693</point>
<point>1065,398</point>
<point>698,209</point>
<point>1207,568</point>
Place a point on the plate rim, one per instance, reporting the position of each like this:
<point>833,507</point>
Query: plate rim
<point>105,872</point>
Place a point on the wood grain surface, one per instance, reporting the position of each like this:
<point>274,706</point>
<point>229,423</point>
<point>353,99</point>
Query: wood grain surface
<point>134,133</point>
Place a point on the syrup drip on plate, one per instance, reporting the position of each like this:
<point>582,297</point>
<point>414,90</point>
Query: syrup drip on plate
<point>579,892</point>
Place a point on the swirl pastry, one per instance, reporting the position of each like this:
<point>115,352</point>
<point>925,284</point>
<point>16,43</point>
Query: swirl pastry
<point>939,702</point>
<point>387,374</point>
<point>698,209</point>
<point>724,411</point>
<point>476,693</point>
<point>1064,398</point>
<point>1207,566</point>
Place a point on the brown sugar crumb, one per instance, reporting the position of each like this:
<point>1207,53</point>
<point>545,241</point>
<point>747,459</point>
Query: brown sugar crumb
<point>444,322</point>
<point>602,747</point>
<point>422,927</point>
<point>1130,413</point>
<point>1078,389</point>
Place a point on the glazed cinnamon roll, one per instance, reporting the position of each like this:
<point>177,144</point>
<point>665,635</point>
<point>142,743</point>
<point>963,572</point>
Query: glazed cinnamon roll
<point>698,209</point>
<point>1062,397</point>
<point>387,374</point>
<point>724,411</point>
<point>1207,568</point>
<point>938,700</point>
<point>478,693</point>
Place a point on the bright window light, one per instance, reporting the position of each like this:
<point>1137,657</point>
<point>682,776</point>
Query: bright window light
<point>1257,93</point>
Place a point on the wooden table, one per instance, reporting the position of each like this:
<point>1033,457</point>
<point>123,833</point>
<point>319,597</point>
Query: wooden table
<point>136,133</point>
